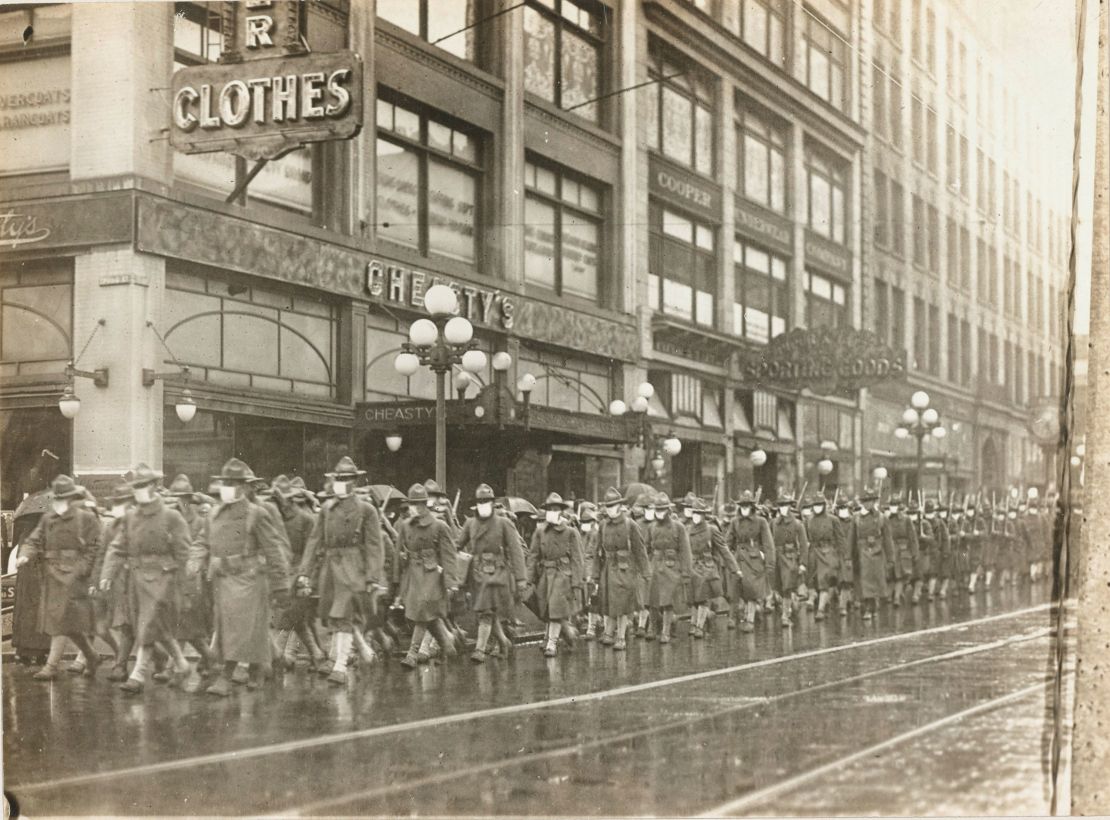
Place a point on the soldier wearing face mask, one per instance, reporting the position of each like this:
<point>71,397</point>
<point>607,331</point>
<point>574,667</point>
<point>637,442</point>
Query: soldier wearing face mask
<point>848,564</point>
<point>154,541</point>
<point>643,513</point>
<point>347,536</point>
<point>903,534</point>
<point>791,556</point>
<point>587,526</point>
<point>869,539</point>
<point>242,554</point>
<point>619,562</point>
<point>426,552</point>
<point>709,554</point>
<point>750,542</point>
<point>555,570</point>
<point>66,538</point>
<point>928,553</point>
<point>671,564</point>
<point>824,543</point>
<point>112,609</point>
<point>496,569</point>
<point>942,530</point>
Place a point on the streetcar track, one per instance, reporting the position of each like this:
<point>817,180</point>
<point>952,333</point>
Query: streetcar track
<point>291,746</point>
<point>791,783</point>
<point>578,748</point>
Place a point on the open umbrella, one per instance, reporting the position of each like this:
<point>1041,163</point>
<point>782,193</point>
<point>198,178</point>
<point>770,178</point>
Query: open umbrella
<point>384,493</point>
<point>517,505</point>
<point>634,490</point>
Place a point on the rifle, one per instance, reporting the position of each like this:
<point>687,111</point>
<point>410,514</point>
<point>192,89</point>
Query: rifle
<point>455,506</point>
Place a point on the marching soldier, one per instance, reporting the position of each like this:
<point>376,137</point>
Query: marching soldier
<point>154,541</point>
<point>669,547</point>
<point>347,537</point>
<point>587,518</point>
<point>621,560</point>
<point>708,554</point>
<point>928,553</point>
<point>66,539</point>
<point>750,542</point>
<point>497,568</point>
<point>871,545</point>
<point>791,556</point>
<point>1011,552</point>
<point>426,555</point>
<point>994,521</point>
<point>643,513</point>
<point>555,570</point>
<point>112,610</point>
<point>242,555</point>
<point>903,534</point>
<point>848,563</point>
<point>298,621</point>
<point>975,537</point>
<point>943,529</point>
<point>824,545</point>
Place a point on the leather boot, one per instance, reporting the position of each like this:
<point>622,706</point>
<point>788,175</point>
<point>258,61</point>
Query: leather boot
<point>607,630</point>
<point>549,649</point>
<point>366,655</point>
<point>570,634</point>
<point>665,628</point>
<point>619,644</point>
<point>338,674</point>
<point>445,638</point>
<point>932,589</point>
<point>479,653</point>
<point>222,687</point>
<point>411,659</point>
<point>822,605</point>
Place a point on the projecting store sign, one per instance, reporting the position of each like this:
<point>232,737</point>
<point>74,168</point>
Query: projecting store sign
<point>824,360</point>
<point>267,95</point>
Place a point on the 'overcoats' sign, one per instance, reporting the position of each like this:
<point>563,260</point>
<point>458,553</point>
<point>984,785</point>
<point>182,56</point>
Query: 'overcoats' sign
<point>825,360</point>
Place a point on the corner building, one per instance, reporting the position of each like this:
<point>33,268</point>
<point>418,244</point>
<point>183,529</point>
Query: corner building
<point>601,236</point>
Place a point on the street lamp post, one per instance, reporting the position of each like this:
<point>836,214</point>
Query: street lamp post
<point>440,343</point>
<point>920,421</point>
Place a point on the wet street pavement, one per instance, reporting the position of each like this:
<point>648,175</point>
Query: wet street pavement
<point>941,708</point>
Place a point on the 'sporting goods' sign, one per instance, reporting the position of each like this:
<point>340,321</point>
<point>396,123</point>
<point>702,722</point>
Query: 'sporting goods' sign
<point>824,360</point>
<point>267,95</point>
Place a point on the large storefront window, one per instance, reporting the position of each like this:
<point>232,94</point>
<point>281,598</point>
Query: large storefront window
<point>563,53</point>
<point>270,446</point>
<point>562,232</point>
<point>446,24</point>
<point>826,61</point>
<point>429,173</point>
<point>826,302</point>
<point>35,445</point>
<point>580,385</point>
<point>762,296</point>
<point>36,321</point>
<point>826,190</point>
<point>682,266</point>
<point>762,161</point>
<point>239,335</point>
<point>680,111</point>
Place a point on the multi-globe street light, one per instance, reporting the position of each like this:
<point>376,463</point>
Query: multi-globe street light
<point>920,421</point>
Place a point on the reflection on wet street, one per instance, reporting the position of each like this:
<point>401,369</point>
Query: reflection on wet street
<point>933,709</point>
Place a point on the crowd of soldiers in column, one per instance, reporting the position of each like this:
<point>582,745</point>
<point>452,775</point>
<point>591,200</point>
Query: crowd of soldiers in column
<point>263,578</point>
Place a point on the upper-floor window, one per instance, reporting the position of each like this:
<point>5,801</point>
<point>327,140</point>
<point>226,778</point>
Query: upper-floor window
<point>682,266</point>
<point>197,34</point>
<point>826,302</point>
<point>879,114</point>
<point>428,180</point>
<point>826,61</point>
<point>563,42</point>
<point>562,232</point>
<point>931,140</point>
<point>762,151</point>
<point>763,27</point>
<point>826,195</point>
<point>45,22</point>
<point>897,218</point>
<point>762,301</point>
<point>446,24</point>
<point>931,41</point>
<point>917,127</point>
<point>681,112</point>
<point>882,208</point>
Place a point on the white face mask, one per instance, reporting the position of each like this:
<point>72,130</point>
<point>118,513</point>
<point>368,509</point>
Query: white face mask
<point>688,512</point>
<point>229,493</point>
<point>341,488</point>
<point>698,517</point>
<point>553,516</point>
<point>613,511</point>
<point>844,513</point>
<point>144,495</point>
<point>587,526</point>
<point>865,511</point>
<point>485,509</point>
<point>818,509</point>
<point>649,514</point>
<point>745,511</point>
<point>119,510</point>
<point>784,511</point>
<point>59,505</point>
<point>892,510</point>
<point>661,515</point>
<point>431,505</point>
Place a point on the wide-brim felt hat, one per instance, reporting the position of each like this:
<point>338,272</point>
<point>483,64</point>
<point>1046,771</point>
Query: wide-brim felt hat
<point>612,497</point>
<point>180,486</point>
<point>662,501</point>
<point>484,492</point>
<point>235,470</point>
<point>64,486</point>
<point>417,492</point>
<point>346,468</point>
<point>431,486</point>
<point>143,474</point>
<point>121,492</point>
<point>554,501</point>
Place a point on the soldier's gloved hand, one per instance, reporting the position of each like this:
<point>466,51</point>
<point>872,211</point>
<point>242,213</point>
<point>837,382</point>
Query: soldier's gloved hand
<point>739,574</point>
<point>105,584</point>
<point>302,587</point>
<point>92,591</point>
<point>801,567</point>
<point>21,560</point>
